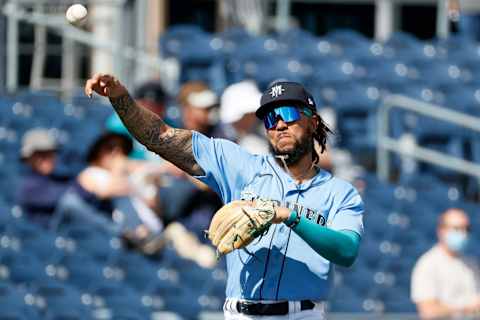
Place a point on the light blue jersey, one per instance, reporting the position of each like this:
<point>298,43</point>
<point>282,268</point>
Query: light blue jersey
<point>281,265</point>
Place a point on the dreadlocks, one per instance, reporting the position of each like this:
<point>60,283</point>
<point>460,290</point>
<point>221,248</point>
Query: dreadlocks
<point>320,135</point>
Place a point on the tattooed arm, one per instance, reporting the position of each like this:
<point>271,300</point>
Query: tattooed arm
<point>175,145</point>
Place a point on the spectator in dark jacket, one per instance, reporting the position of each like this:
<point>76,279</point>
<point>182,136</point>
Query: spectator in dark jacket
<point>40,189</point>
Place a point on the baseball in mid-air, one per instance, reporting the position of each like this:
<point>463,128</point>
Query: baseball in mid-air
<point>76,14</point>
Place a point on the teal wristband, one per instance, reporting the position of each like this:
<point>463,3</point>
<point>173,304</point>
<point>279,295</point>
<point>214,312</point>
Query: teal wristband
<point>293,220</point>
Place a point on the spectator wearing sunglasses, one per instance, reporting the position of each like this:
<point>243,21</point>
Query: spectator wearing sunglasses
<point>445,282</point>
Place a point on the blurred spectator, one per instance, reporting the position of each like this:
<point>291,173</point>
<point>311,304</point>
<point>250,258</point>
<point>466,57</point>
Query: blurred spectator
<point>446,283</point>
<point>119,196</point>
<point>198,106</point>
<point>152,96</point>
<point>238,104</point>
<point>183,198</point>
<point>180,197</point>
<point>40,189</point>
<point>106,187</point>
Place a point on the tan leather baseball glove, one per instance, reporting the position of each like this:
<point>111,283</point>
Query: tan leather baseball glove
<point>239,222</point>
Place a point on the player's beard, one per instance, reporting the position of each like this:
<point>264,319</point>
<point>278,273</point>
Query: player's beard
<point>301,148</point>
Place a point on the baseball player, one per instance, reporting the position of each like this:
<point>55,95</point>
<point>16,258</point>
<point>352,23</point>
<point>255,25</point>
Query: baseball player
<point>285,273</point>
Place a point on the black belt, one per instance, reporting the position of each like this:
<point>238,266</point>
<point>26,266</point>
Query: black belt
<point>270,309</point>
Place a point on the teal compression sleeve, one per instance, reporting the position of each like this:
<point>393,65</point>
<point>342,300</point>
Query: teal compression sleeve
<point>339,247</point>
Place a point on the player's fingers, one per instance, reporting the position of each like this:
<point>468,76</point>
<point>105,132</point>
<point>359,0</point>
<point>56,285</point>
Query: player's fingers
<point>91,84</point>
<point>89,87</point>
<point>94,84</point>
<point>108,81</point>
<point>97,76</point>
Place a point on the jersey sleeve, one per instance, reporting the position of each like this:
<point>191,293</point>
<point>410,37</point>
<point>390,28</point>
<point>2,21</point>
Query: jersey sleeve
<point>225,164</point>
<point>349,215</point>
<point>423,284</point>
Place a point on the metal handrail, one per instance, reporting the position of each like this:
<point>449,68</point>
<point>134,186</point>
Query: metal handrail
<point>58,23</point>
<point>386,144</point>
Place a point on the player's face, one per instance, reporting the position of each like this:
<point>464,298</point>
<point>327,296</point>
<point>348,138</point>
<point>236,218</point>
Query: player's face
<point>290,132</point>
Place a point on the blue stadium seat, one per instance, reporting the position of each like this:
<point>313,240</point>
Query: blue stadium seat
<point>94,242</point>
<point>24,269</point>
<point>470,70</point>
<point>331,72</point>
<point>129,315</point>
<point>199,49</point>
<point>361,279</point>
<point>249,53</point>
<point>120,299</point>
<point>386,72</point>
<point>356,107</point>
<point>139,272</point>
<point>100,248</point>
<point>400,303</point>
<point>97,113</point>
<point>462,98</point>
<point>175,36</point>
<point>405,46</point>
<point>44,246</point>
<point>402,121</point>
<point>298,43</point>
<point>45,106</point>
<point>344,299</point>
<point>215,283</point>
<point>266,70</point>
<point>439,72</point>
<point>198,52</point>
<point>376,222</point>
<point>401,268</point>
<point>458,48</point>
<point>196,276</point>
<point>6,103</point>
<point>171,46</point>
<point>233,37</point>
<point>83,272</point>
<point>62,302</point>
<point>370,252</point>
<point>16,304</point>
<point>186,304</point>
<point>258,48</point>
<point>25,229</point>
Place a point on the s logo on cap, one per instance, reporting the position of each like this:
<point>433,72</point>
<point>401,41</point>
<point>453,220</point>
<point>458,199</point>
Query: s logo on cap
<point>276,91</point>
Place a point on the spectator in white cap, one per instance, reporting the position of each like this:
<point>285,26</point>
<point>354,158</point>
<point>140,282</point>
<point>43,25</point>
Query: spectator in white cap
<point>39,189</point>
<point>238,104</point>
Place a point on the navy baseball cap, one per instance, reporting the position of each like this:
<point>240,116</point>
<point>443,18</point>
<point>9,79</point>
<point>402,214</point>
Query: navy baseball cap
<point>152,91</point>
<point>284,92</point>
